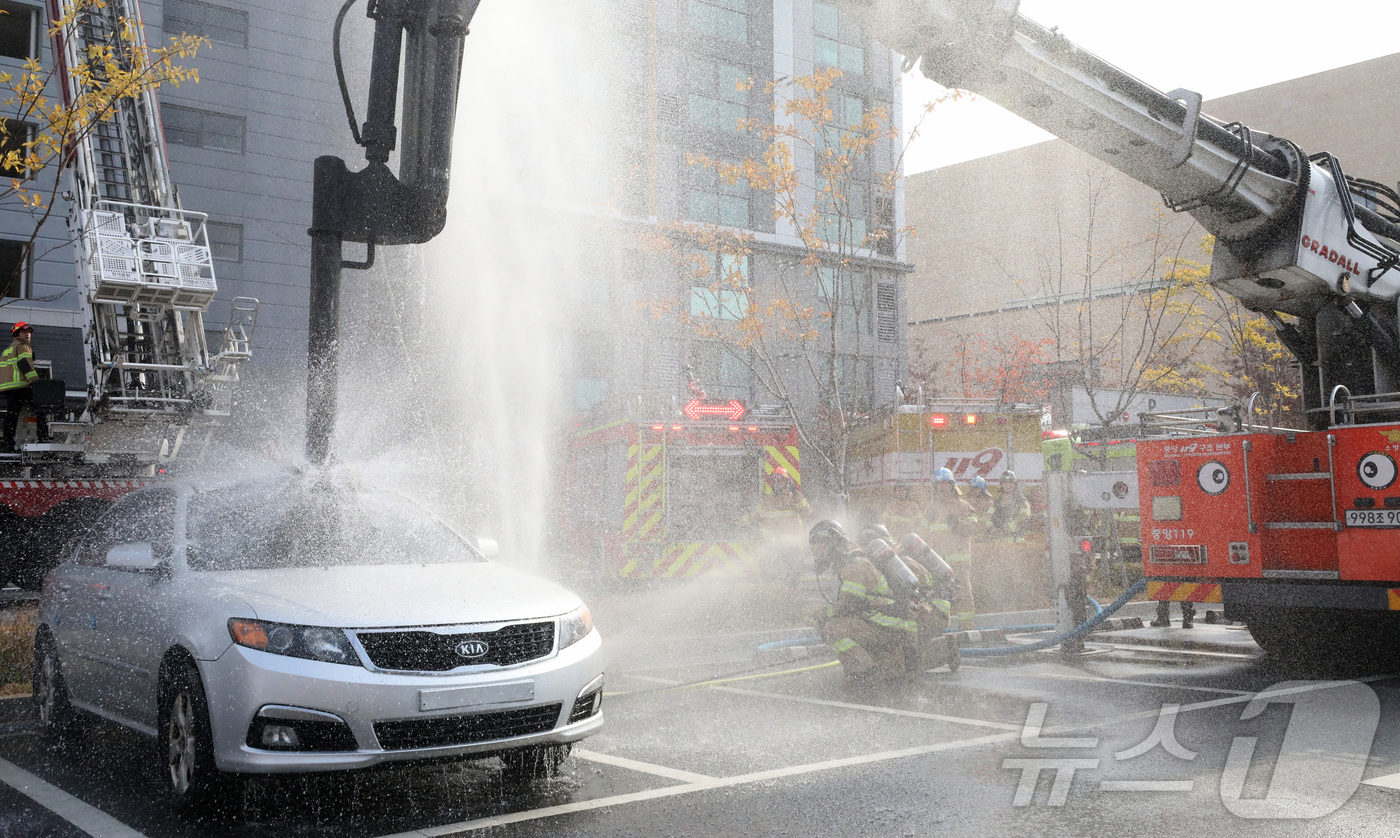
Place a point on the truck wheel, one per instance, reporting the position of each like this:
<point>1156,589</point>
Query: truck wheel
<point>186,743</point>
<point>539,762</point>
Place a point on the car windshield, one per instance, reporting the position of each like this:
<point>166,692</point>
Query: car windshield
<point>306,523</point>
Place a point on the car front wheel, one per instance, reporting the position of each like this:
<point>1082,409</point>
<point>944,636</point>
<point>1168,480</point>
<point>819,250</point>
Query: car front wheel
<point>58,720</point>
<point>186,744</point>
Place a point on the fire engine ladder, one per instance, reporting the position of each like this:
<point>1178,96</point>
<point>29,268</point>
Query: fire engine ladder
<point>146,269</point>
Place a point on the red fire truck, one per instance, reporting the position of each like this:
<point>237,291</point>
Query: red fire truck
<point>1296,532</point>
<point>674,498</point>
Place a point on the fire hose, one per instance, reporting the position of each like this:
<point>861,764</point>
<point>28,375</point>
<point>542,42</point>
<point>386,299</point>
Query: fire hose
<point>1101,613</point>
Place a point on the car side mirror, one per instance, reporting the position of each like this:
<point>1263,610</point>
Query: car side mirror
<point>135,556</point>
<point>487,547</point>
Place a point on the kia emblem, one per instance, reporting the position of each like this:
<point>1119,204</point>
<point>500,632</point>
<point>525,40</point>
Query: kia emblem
<point>472,648</point>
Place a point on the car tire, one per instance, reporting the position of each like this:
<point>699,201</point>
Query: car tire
<point>185,746</point>
<point>60,723</point>
<point>538,762</point>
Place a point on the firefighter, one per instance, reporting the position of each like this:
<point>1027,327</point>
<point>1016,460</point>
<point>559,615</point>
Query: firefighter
<point>1011,511</point>
<point>936,589</point>
<point>980,498</point>
<point>904,515</point>
<point>781,518</point>
<point>17,373</point>
<point>872,643</point>
<point>952,523</point>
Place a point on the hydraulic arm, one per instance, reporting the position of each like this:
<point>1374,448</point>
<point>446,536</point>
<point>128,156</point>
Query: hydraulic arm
<point>373,205</point>
<point>1294,233</point>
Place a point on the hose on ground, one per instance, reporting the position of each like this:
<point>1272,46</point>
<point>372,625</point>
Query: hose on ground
<point>1056,639</point>
<point>812,640</point>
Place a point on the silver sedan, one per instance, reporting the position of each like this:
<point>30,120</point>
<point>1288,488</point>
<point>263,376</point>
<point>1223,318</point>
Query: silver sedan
<point>297,625</point>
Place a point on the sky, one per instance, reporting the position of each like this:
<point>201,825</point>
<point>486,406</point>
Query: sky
<point>1215,47</point>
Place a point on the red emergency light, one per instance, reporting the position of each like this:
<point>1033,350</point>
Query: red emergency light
<point>972,419</point>
<point>733,429</point>
<point>733,410</point>
<point>658,427</point>
<point>675,427</point>
<point>938,421</point>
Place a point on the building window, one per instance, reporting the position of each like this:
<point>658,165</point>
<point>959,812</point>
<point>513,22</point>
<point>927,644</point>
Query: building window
<point>14,268</point>
<point>838,40</point>
<point>18,23</point>
<point>726,295</point>
<point>227,26</point>
<point>844,297</point>
<point>716,202</point>
<point>202,129</point>
<point>720,96</point>
<point>727,19</point>
<point>225,241</point>
<point>14,135</point>
<point>843,212</point>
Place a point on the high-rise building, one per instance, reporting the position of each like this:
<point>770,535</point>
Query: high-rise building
<point>681,89</point>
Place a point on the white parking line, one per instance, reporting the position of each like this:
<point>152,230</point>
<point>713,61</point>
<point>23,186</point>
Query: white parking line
<point>871,708</point>
<point>89,819</point>
<point>644,767</point>
<point>1389,781</point>
<point>1064,676</point>
<point>843,762</point>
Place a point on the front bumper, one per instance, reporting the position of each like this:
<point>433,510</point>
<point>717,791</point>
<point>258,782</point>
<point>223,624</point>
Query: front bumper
<point>242,681</point>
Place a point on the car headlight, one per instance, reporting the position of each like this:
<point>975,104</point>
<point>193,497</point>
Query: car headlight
<point>574,626</point>
<point>310,642</point>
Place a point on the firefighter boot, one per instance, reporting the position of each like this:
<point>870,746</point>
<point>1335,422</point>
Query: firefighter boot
<point>1164,615</point>
<point>941,651</point>
<point>1188,614</point>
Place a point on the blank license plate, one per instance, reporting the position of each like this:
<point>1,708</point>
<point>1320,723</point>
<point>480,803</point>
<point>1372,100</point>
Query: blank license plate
<point>1373,518</point>
<point>471,696</point>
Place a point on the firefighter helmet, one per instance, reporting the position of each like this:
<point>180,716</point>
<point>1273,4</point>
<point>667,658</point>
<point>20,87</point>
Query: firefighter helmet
<point>779,476</point>
<point>19,327</point>
<point>1008,476</point>
<point>944,475</point>
<point>979,485</point>
<point>829,543</point>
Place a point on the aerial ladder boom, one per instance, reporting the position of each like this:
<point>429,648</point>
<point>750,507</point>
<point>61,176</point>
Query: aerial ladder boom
<point>155,387</point>
<point>1294,234</point>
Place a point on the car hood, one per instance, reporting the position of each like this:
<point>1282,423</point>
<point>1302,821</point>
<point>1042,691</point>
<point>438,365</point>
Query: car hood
<point>395,595</point>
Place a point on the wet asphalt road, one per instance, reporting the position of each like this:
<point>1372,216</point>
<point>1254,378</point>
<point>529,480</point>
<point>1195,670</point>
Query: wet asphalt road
<point>797,754</point>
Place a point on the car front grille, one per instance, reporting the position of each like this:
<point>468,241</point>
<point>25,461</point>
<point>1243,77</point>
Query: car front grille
<point>426,651</point>
<point>443,731</point>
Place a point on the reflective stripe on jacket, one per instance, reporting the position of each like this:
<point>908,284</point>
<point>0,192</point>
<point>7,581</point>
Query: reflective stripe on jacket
<point>865,593</point>
<point>17,366</point>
